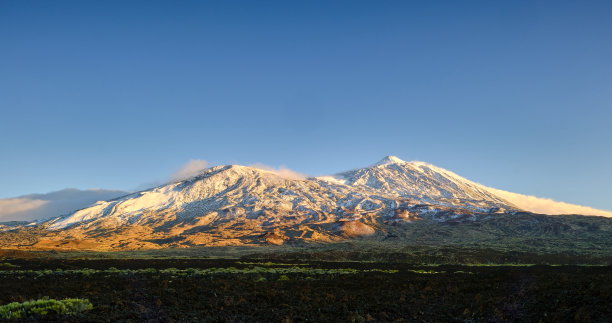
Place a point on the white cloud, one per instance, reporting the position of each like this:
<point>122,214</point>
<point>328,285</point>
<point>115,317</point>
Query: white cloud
<point>281,171</point>
<point>12,206</point>
<point>192,168</point>
<point>40,206</point>
<point>545,205</point>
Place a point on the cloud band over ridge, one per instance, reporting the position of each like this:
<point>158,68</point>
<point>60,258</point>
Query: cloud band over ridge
<point>546,205</point>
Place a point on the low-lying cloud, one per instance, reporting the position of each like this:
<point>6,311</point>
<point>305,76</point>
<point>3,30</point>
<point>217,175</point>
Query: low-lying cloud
<point>545,205</point>
<point>281,171</point>
<point>19,205</point>
<point>192,168</point>
<point>41,206</point>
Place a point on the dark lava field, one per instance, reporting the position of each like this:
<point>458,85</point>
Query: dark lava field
<point>256,290</point>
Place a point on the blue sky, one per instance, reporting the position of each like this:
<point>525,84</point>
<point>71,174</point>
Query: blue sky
<point>117,94</point>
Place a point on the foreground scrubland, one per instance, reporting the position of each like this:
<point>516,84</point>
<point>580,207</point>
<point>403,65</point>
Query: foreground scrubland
<point>272,286</point>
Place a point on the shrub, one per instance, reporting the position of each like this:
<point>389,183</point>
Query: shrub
<point>68,306</point>
<point>7,265</point>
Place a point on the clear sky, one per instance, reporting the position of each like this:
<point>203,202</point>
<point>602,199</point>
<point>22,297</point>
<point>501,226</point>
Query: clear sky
<point>515,95</point>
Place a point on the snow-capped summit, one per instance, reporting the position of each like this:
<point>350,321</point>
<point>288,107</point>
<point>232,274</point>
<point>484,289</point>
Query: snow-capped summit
<point>389,160</point>
<point>420,181</point>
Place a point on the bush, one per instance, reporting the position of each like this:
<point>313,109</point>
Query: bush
<point>7,265</point>
<point>68,306</point>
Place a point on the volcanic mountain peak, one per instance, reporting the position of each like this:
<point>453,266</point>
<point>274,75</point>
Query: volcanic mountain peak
<point>228,192</point>
<point>389,160</point>
<point>420,181</point>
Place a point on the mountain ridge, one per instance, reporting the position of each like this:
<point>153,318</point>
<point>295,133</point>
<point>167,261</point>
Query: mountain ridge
<point>242,205</point>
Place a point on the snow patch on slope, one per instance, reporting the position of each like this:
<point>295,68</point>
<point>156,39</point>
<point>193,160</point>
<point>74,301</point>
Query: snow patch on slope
<point>126,208</point>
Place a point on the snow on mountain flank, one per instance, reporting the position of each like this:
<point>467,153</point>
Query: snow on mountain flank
<point>253,190</point>
<point>421,181</point>
<point>242,205</point>
<point>422,188</point>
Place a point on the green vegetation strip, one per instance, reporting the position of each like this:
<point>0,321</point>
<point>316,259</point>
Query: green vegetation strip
<point>193,271</point>
<point>422,271</point>
<point>67,306</point>
<point>268,264</point>
<point>500,265</point>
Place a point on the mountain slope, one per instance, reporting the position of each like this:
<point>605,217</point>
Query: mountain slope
<point>239,205</point>
<point>222,205</point>
<point>215,190</point>
<point>421,181</point>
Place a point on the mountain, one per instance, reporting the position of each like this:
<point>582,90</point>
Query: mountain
<point>240,205</point>
<point>40,206</point>
<point>423,182</point>
<point>435,185</point>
